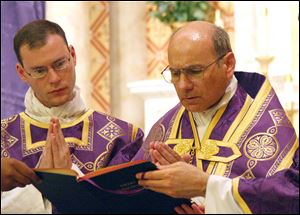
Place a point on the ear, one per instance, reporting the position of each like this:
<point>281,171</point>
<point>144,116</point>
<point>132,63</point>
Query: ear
<point>229,61</point>
<point>73,54</point>
<point>21,72</point>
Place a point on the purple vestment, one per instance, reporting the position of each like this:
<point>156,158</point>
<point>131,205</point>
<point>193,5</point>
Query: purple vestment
<point>96,140</point>
<point>250,140</point>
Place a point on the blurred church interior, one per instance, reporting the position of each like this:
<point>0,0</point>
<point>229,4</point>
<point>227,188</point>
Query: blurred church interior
<point>121,50</point>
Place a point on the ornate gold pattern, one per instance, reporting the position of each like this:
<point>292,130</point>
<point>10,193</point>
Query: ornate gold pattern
<point>183,146</point>
<point>272,130</point>
<point>256,111</point>
<point>261,146</point>
<point>7,140</point>
<point>99,19</point>
<point>248,174</point>
<point>257,108</point>
<point>110,131</point>
<point>100,162</point>
<point>5,122</point>
<point>208,149</point>
<point>5,153</point>
<point>279,118</point>
<point>285,158</point>
<point>28,147</point>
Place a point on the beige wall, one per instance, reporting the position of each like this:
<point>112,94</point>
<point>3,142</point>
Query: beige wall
<point>128,58</point>
<point>72,17</point>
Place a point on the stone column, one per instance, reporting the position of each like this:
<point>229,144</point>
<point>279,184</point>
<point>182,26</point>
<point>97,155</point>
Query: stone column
<point>128,58</point>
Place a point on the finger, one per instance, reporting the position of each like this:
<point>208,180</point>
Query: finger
<point>54,145</point>
<point>187,209</point>
<point>54,119</point>
<point>198,208</point>
<point>151,184</point>
<point>160,158</point>
<point>152,156</point>
<point>170,154</point>
<point>152,175</point>
<point>50,129</point>
<point>13,184</point>
<point>152,144</point>
<point>179,210</point>
<point>17,177</point>
<point>187,158</point>
<point>26,172</point>
<point>47,151</point>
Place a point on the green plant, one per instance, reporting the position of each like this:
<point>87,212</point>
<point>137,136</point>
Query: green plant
<point>180,11</point>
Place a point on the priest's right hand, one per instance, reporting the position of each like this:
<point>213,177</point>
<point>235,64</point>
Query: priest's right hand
<point>15,173</point>
<point>56,153</point>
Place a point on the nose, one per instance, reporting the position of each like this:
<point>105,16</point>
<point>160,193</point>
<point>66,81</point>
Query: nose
<point>184,82</point>
<point>53,76</point>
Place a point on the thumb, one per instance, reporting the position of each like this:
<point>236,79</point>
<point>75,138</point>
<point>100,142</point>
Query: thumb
<point>186,158</point>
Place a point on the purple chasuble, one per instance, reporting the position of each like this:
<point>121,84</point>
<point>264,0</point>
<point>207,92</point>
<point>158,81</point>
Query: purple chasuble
<point>96,140</point>
<point>250,140</point>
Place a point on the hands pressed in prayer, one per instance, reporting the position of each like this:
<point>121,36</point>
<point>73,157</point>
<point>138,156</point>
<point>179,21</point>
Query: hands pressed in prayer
<point>15,173</point>
<point>56,153</point>
<point>162,154</point>
<point>170,178</point>
<point>193,209</point>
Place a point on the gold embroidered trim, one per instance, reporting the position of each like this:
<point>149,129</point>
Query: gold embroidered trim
<point>29,145</point>
<point>134,132</point>
<point>288,159</point>
<point>238,198</point>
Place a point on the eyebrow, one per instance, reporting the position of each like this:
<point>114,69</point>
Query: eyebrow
<point>54,62</point>
<point>194,66</point>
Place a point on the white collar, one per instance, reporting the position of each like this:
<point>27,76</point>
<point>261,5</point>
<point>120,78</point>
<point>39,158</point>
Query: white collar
<point>66,112</point>
<point>203,118</point>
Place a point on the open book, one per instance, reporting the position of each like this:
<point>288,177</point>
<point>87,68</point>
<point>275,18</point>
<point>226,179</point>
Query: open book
<point>112,189</point>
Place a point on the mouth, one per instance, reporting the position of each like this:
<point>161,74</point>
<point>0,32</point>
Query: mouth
<point>58,91</point>
<point>191,100</point>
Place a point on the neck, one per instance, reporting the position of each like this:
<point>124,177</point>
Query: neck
<point>66,112</point>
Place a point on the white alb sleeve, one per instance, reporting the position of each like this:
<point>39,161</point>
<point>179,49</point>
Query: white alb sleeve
<point>26,200</point>
<point>219,197</point>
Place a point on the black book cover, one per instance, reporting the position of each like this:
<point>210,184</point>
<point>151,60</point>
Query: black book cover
<point>109,190</point>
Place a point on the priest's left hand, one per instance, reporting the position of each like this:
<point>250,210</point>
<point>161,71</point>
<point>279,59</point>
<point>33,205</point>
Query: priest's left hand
<point>162,154</point>
<point>179,180</point>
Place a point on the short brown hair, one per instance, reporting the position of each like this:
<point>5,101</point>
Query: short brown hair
<point>35,34</point>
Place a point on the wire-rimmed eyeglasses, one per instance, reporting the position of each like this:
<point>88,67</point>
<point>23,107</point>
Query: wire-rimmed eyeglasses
<point>57,66</point>
<point>193,72</point>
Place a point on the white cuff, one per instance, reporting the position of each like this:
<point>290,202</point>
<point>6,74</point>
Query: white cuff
<point>219,197</point>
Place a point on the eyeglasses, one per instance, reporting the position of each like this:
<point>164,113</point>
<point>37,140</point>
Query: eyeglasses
<point>194,72</point>
<point>57,66</point>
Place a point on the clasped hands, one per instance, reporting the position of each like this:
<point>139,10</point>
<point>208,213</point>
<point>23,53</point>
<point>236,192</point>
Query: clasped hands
<point>175,177</point>
<point>56,153</point>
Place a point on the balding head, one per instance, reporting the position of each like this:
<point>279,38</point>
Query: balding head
<point>205,37</point>
<point>201,64</point>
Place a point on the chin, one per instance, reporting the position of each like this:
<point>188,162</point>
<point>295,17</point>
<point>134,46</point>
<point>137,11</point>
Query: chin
<point>59,102</point>
<point>194,108</point>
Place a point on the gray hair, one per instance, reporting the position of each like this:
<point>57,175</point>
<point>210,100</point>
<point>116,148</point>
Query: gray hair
<point>221,41</point>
